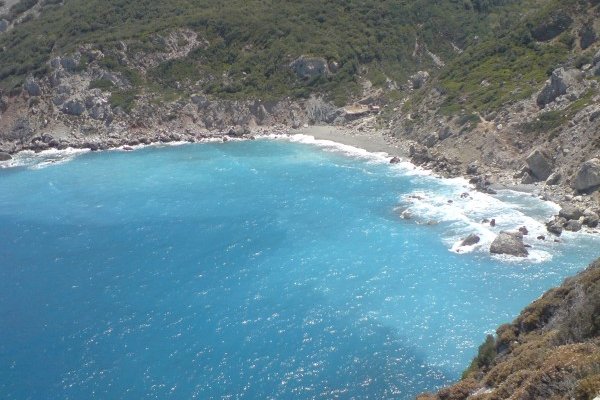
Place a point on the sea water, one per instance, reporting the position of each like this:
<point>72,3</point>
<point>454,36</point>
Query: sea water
<point>268,269</point>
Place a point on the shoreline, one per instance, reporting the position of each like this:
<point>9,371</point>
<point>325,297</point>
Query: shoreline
<point>483,178</point>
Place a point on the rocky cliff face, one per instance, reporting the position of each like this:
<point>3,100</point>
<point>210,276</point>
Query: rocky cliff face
<point>81,102</point>
<point>551,351</point>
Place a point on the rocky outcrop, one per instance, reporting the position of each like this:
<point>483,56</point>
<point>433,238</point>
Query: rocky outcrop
<point>559,84</point>
<point>556,225</point>
<point>310,67</point>
<point>318,110</point>
<point>539,164</point>
<point>73,107</point>
<point>419,79</point>
<point>550,351</point>
<point>32,87</point>
<point>569,212</point>
<point>588,176</point>
<point>556,24</point>
<point>470,240</point>
<point>510,243</point>
<point>587,36</point>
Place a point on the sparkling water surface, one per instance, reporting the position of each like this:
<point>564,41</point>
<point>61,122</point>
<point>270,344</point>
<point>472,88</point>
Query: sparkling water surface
<point>254,270</point>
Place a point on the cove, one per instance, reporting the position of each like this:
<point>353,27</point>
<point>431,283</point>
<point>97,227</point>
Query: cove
<point>254,269</point>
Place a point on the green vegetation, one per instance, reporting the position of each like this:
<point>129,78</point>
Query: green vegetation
<point>250,43</point>
<point>553,348</point>
<point>485,356</point>
<point>549,122</point>
<point>123,98</point>
<point>103,84</point>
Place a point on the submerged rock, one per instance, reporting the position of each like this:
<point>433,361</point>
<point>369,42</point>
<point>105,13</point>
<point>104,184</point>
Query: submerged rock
<point>510,243</point>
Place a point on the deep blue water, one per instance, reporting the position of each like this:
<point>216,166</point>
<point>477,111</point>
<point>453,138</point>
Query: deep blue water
<point>252,270</point>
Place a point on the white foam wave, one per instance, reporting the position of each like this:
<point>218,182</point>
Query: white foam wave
<point>42,159</point>
<point>329,145</point>
<point>464,211</point>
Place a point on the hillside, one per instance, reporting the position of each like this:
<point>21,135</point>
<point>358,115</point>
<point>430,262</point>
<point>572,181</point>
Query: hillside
<point>239,48</point>
<point>551,351</point>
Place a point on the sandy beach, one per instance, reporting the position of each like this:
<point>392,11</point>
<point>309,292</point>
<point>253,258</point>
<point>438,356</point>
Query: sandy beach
<point>368,140</point>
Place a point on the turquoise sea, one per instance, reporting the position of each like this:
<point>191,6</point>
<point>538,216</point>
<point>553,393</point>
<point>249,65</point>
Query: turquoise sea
<point>267,269</point>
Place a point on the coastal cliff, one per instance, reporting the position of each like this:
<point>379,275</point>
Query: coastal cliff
<point>550,351</point>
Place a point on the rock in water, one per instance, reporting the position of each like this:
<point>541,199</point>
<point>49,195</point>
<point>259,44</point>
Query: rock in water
<point>470,240</point>
<point>395,160</point>
<point>5,156</point>
<point>573,226</point>
<point>539,164</point>
<point>588,175</point>
<point>555,226</point>
<point>570,212</point>
<point>510,243</point>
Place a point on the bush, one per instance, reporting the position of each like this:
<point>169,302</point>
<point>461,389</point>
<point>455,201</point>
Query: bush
<point>125,99</point>
<point>485,357</point>
<point>102,84</point>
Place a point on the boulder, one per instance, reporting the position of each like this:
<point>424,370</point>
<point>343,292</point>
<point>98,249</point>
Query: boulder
<point>554,25</point>
<point>395,160</point>
<point>318,110</point>
<point>539,164</point>
<point>556,225</point>
<point>310,67</point>
<point>445,133</point>
<point>419,79</point>
<point>3,25</point>
<point>587,176</point>
<point>527,179</point>
<point>591,218</point>
<point>559,83</point>
<point>430,140</point>
<point>510,243</point>
<point>472,168</point>
<point>553,179</point>
<point>73,107</point>
<point>418,154</point>
<point>587,36</point>
<point>69,63</point>
<point>573,226</point>
<point>470,240</point>
<point>32,87</point>
<point>5,156</point>
<point>570,212</point>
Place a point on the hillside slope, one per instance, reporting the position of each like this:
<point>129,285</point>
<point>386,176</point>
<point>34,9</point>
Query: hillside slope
<point>551,351</point>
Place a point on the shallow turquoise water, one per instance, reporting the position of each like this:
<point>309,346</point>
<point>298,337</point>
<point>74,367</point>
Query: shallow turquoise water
<point>249,270</point>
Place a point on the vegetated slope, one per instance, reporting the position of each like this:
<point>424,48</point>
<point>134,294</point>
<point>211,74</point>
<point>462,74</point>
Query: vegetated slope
<point>535,85</point>
<point>244,48</point>
<point>551,351</point>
